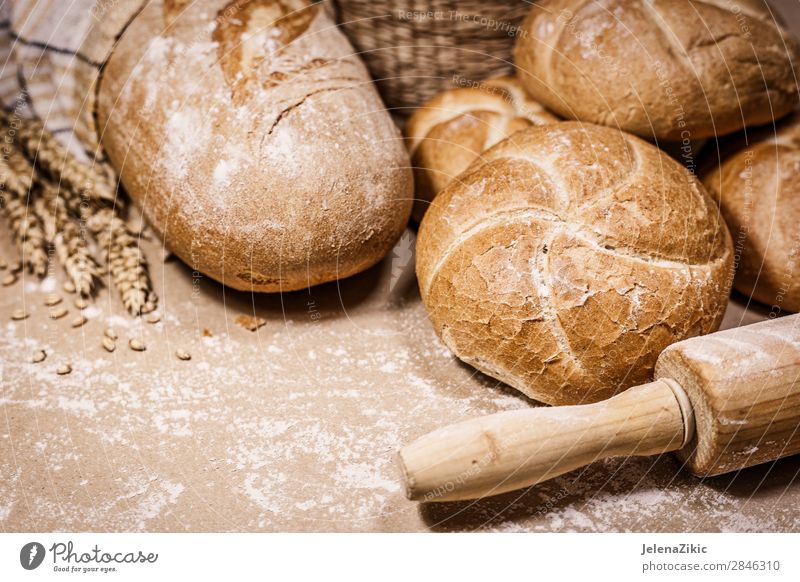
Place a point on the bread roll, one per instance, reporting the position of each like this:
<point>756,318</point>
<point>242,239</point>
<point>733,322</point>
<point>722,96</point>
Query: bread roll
<point>254,141</point>
<point>758,188</point>
<point>449,131</point>
<point>567,257</point>
<point>664,69</point>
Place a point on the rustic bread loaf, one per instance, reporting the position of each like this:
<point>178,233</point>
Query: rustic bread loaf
<point>449,131</point>
<point>568,256</point>
<point>758,189</point>
<point>254,141</point>
<point>665,69</point>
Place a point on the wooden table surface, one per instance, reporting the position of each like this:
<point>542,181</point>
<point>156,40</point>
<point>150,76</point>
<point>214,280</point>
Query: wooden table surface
<point>295,426</point>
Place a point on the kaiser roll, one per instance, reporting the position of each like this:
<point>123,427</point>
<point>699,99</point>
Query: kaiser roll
<point>567,257</point>
<point>665,69</point>
<point>758,189</point>
<point>255,142</point>
<point>451,129</point>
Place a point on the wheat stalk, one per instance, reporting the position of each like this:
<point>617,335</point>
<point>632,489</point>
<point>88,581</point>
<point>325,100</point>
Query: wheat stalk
<point>126,264</point>
<point>61,166</point>
<point>88,195</point>
<point>68,239</point>
<point>28,232</point>
<point>15,185</point>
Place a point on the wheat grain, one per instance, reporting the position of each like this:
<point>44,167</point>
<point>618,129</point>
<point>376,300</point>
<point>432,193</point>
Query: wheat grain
<point>182,355</point>
<point>63,369</point>
<point>39,356</point>
<point>108,344</point>
<point>136,345</point>
<point>52,300</point>
<point>19,315</point>
<point>58,312</point>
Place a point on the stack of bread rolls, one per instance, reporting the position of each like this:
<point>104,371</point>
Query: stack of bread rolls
<point>563,259</point>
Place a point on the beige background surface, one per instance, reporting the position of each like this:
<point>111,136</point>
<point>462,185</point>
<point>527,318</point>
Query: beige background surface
<point>295,427</point>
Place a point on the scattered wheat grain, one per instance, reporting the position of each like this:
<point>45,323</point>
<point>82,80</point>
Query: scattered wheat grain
<point>58,312</point>
<point>109,344</point>
<point>19,315</point>
<point>136,345</point>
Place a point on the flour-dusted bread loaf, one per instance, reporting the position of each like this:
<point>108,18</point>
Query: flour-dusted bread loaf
<point>448,132</point>
<point>568,256</point>
<point>668,69</point>
<point>758,189</point>
<point>253,139</point>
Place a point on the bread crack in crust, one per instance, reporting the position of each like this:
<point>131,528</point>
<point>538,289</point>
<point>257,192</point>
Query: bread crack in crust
<point>566,258</point>
<point>249,133</point>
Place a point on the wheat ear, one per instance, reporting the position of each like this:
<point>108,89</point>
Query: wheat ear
<point>15,186</point>
<point>126,264</point>
<point>58,162</point>
<point>69,239</point>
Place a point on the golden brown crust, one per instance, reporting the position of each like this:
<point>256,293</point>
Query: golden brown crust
<point>450,130</point>
<point>257,147</point>
<point>665,69</point>
<point>566,258</point>
<point>758,188</point>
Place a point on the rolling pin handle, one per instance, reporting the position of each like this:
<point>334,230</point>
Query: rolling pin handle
<point>519,448</point>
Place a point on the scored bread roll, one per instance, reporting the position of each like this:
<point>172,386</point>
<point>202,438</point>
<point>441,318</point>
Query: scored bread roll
<point>450,130</point>
<point>758,189</point>
<point>567,257</point>
<point>665,69</point>
<point>255,142</point>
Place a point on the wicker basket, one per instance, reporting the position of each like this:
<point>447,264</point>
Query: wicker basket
<point>415,49</point>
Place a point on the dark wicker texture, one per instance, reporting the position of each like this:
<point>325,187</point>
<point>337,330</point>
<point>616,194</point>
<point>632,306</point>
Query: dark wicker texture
<point>415,49</point>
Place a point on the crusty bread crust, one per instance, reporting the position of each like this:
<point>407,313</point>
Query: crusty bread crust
<point>568,256</point>
<point>255,142</point>
<point>664,69</point>
<point>450,130</point>
<point>758,188</point>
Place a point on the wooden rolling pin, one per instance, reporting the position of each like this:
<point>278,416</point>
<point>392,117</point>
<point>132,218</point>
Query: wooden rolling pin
<point>722,402</point>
